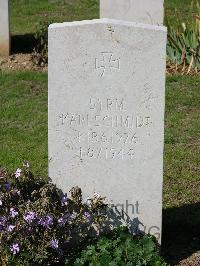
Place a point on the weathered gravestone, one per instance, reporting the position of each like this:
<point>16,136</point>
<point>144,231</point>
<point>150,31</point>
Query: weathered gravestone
<point>106,114</point>
<point>4,28</point>
<point>144,11</point>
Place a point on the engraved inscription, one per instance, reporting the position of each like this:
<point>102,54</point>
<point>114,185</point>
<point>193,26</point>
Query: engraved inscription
<point>106,153</point>
<point>113,121</point>
<point>107,63</point>
<point>109,104</point>
<point>104,137</point>
<point>105,130</point>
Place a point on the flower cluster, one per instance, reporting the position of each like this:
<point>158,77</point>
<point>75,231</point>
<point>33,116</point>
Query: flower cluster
<point>29,217</point>
<point>54,243</point>
<point>18,172</point>
<point>40,225</point>
<point>13,212</point>
<point>37,219</point>
<point>14,248</point>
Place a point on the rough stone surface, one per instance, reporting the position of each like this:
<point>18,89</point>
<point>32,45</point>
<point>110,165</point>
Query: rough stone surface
<point>4,28</point>
<point>106,114</point>
<point>143,11</point>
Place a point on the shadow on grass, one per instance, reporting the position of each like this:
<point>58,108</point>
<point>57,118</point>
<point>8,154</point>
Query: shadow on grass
<point>22,43</point>
<point>181,232</point>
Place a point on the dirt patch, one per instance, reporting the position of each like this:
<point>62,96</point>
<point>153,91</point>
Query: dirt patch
<point>193,260</point>
<point>173,69</point>
<point>20,62</point>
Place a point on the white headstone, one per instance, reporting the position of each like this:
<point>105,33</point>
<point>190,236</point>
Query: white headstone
<point>4,28</point>
<point>106,113</point>
<point>143,11</point>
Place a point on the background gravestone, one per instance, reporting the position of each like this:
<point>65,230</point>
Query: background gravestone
<point>4,28</point>
<point>106,114</point>
<point>144,11</point>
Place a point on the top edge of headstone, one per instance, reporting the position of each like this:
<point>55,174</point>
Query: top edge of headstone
<point>108,21</point>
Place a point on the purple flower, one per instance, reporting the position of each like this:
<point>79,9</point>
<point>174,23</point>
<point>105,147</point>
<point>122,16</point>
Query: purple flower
<point>10,228</point>
<point>49,220</point>
<point>13,212</point>
<point>14,248</point>
<point>7,186</point>
<point>87,215</point>
<point>41,221</point>
<point>46,222</point>
<point>64,200</point>
<point>18,173</point>
<point>29,217</point>
<point>62,221</point>
<point>2,220</point>
<point>54,243</point>
<point>73,216</point>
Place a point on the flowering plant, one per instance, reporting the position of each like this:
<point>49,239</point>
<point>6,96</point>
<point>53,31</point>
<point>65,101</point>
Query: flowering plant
<point>38,223</point>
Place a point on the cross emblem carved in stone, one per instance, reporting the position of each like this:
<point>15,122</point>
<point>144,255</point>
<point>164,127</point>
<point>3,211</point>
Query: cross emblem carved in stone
<point>107,63</point>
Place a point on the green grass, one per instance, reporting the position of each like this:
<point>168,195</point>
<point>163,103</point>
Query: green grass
<point>179,11</point>
<point>182,141</point>
<point>25,14</point>
<point>23,132</point>
<point>23,120</point>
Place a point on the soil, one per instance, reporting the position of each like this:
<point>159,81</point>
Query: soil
<point>193,260</point>
<point>20,62</point>
<point>173,69</point>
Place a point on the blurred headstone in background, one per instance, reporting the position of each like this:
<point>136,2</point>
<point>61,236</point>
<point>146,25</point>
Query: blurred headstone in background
<point>4,28</point>
<point>142,11</point>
